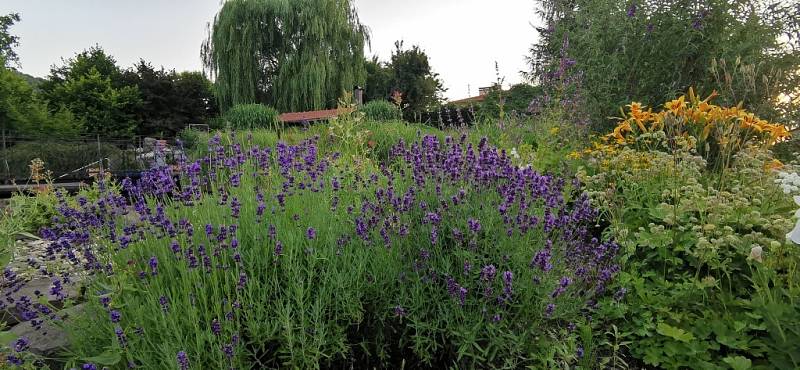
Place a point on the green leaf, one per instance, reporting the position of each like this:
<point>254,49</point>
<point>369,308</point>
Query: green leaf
<point>738,362</point>
<point>5,258</point>
<point>6,337</point>
<point>28,235</point>
<point>109,357</point>
<point>674,333</point>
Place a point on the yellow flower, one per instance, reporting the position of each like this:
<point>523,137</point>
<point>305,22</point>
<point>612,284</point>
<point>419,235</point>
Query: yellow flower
<point>677,105</point>
<point>773,165</point>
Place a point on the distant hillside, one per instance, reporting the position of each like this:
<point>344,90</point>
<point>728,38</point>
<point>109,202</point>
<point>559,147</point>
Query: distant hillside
<point>33,81</point>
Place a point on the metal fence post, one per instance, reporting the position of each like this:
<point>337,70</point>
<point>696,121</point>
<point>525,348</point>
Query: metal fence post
<point>100,156</point>
<point>6,169</point>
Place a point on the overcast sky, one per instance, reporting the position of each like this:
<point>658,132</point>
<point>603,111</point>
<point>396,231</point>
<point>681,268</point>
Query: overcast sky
<point>463,38</point>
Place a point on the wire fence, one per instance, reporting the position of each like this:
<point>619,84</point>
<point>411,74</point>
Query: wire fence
<point>78,158</point>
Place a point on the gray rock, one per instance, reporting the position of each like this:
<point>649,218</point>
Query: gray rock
<point>50,338</point>
<point>41,284</point>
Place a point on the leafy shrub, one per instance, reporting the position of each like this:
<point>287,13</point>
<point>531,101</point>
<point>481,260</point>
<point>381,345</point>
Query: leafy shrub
<point>652,50</point>
<point>381,111</point>
<point>514,101</point>
<point>788,150</point>
<point>711,277</point>
<point>189,138</point>
<point>253,116</point>
<point>450,256</point>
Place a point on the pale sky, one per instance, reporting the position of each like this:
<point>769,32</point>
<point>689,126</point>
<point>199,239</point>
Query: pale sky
<point>463,38</point>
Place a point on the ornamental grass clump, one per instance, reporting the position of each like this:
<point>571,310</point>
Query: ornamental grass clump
<point>267,257</point>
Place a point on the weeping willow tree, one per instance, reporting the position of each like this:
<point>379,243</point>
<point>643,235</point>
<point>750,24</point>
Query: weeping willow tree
<point>291,54</point>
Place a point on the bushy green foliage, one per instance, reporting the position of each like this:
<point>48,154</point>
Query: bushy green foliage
<point>651,51</point>
<point>379,80</point>
<point>90,85</point>
<point>514,100</point>
<point>408,73</point>
<point>23,113</point>
<point>381,110</point>
<point>7,40</point>
<point>170,101</point>
<point>710,274</point>
<point>253,116</point>
<point>788,150</point>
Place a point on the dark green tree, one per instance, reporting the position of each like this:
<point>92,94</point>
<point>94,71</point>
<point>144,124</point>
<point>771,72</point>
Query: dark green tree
<point>170,101</point>
<point>380,80</point>
<point>414,78</point>
<point>92,87</point>
<point>8,41</point>
<point>22,112</point>
<point>293,55</point>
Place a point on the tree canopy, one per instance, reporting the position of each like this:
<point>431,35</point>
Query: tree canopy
<point>653,50</point>
<point>8,41</point>
<point>90,85</point>
<point>290,54</point>
<point>408,72</point>
<point>170,100</point>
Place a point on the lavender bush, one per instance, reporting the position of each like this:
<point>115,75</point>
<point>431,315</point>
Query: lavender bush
<point>264,257</point>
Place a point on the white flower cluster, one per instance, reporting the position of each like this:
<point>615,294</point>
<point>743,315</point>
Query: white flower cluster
<point>789,182</point>
<point>794,235</point>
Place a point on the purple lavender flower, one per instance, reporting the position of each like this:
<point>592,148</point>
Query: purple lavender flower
<point>14,360</point>
<point>123,341</point>
<point>278,248</point>
<point>434,236</point>
<point>115,316</point>
<point>508,277</point>
<point>488,273</point>
<point>632,10</point>
<point>474,225</point>
<point>176,248</point>
<point>548,311</point>
<point>216,328</point>
<point>164,303</point>
<point>311,234</point>
<point>424,254</point>
<point>228,350</point>
<point>579,352</point>
<point>183,360</point>
<point>242,280</point>
<point>462,295</point>
<point>399,311</point>
<point>21,344</point>
<point>89,366</point>
<point>153,265</point>
<point>620,294</point>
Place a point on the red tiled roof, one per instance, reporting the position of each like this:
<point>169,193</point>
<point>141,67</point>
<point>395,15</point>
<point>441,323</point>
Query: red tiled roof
<point>316,115</point>
<point>474,99</point>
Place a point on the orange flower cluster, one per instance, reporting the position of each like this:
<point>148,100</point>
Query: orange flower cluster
<point>688,115</point>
